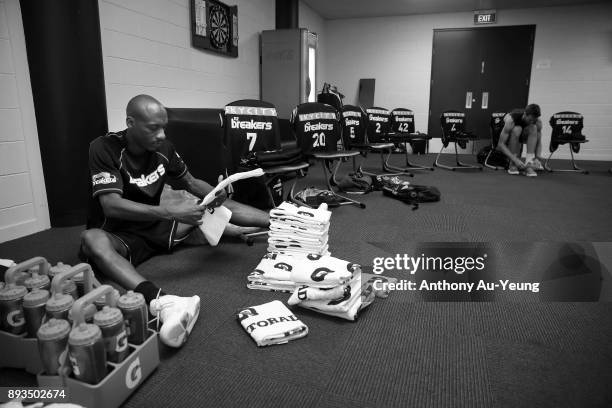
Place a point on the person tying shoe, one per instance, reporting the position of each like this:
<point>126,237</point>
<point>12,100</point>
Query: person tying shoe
<point>522,126</point>
<point>127,224</point>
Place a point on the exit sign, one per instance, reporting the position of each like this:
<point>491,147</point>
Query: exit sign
<point>484,17</point>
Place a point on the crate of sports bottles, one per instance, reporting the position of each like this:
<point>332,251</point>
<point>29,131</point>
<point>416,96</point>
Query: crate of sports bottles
<point>99,347</point>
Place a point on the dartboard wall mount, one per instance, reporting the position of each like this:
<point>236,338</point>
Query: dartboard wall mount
<point>214,27</point>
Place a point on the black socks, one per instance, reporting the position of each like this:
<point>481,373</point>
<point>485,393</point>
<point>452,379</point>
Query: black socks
<point>149,290</point>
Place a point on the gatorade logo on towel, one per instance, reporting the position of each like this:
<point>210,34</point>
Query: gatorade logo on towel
<point>133,374</point>
<point>284,266</point>
<point>314,257</point>
<point>345,297</point>
<point>246,313</point>
<point>319,274</point>
<point>352,267</point>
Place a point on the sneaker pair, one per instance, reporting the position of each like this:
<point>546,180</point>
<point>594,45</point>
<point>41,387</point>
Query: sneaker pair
<point>177,315</point>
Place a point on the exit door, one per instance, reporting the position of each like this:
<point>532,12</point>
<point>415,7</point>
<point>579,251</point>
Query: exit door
<point>479,71</point>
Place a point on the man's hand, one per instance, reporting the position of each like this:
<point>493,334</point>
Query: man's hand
<point>187,213</point>
<point>220,197</point>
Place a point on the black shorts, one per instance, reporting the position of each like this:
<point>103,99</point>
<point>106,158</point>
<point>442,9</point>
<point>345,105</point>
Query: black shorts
<point>142,244</point>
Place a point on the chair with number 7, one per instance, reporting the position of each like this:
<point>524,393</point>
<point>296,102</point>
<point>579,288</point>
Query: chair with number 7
<point>252,136</point>
<point>566,129</point>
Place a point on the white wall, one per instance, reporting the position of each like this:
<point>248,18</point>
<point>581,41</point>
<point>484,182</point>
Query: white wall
<point>397,52</point>
<point>311,20</point>
<point>23,202</point>
<point>146,48</point>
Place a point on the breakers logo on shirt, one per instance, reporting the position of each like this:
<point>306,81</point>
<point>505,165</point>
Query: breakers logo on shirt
<point>308,127</point>
<point>144,181</point>
<point>250,124</point>
<point>103,178</point>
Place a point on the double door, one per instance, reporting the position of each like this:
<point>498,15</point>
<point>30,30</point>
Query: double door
<point>479,71</point>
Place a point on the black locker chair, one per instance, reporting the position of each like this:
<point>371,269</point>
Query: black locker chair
<point>403,131</point>
<point>252,131</point>
<point>567,129</point>
<point>318,130</point>
<point>452,124</point>
<point>496,125</point>
<point>377,128</point>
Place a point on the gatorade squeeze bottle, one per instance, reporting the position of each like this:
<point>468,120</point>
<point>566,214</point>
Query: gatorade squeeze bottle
<point>11,309</point>
<point>110,322</point>
<point>86,353</point>
<point>37,281</point>
<point>52,342</point>
<point>134,309</point>
<point>34,309</point>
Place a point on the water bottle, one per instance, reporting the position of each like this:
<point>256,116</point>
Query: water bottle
<point>11,309</point>
<point>38,281</point>
<point>34,309</point>
<point>110,322</point>
<point>52,341</point>
<point>134,309</point>
<point>86,353</point>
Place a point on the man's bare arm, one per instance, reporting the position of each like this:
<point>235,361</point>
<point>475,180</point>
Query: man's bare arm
<point>115,206</point>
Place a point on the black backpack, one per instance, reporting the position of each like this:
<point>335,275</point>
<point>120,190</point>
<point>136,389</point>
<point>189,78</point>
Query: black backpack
<point>497,158</point>
<point>412,194</point>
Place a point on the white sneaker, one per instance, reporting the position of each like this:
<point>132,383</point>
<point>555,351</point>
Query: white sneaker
<point>178,315</point>
<point>537,165</point>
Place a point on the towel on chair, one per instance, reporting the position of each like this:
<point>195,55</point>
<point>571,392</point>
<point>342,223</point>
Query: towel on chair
<point>271,323</point>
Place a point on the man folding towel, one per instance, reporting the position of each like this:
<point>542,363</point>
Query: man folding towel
<point>271,323</point>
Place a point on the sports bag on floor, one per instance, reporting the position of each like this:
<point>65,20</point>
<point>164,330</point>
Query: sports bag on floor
<point>412,194</point>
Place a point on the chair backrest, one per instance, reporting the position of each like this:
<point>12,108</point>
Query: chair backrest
<point>379,124</point>
<point>452,123</point>
<point>330,98</point>
<point>566,126</point>
<point>250,126</point>
<point>198,136</point>
<point>496,125</point>
<point>354,123</point>
<point>402,120</point>
<point>316,126</point>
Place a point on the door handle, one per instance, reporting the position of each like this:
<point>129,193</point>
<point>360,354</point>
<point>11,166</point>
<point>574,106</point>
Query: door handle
<point>468,100</point>
<point>485,101</point>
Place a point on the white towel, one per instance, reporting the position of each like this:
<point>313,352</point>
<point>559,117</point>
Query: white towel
<point>271,287</point>
<point>309,269</point>
<point>348,309</point>
<point>304,293</point>
<point>271,323</point>
<point>369,279</point>
<point>319,215</point>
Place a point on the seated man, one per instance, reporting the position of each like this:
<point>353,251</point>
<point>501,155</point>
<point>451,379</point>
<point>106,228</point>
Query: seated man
<point>522,126</point>
<point>128,170</point>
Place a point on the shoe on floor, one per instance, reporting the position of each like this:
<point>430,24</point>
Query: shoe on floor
<point>512,169</point>
<point>177,315</point>
<point>530,172</point>
<point>536,165</point>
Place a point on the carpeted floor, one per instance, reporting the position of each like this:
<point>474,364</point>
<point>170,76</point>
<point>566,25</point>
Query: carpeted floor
<point>403,351</point>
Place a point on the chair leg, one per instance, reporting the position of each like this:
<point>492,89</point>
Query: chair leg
<point>385,172</point>
<point>409,166</point>
<point>345,200</point>
<point>460,165</point>
<point>574,169</point>
<point>490,166</point>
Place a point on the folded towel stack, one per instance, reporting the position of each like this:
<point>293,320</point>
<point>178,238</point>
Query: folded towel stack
<point>353,298</point>
<point>280,272</point>
<point>271,323</point>
<point>299,230</point>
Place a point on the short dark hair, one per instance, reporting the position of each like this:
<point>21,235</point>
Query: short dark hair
<point>533,110</point>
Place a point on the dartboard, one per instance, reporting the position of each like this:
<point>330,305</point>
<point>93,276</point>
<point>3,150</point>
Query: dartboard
<point>219,27</point>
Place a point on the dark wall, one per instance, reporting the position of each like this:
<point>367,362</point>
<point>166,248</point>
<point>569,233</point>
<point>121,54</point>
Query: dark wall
<point>66,71</point>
